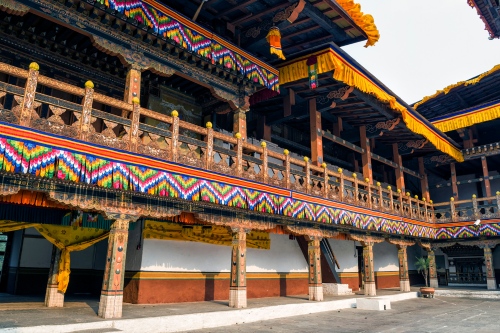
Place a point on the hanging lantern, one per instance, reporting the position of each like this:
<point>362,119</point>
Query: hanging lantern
<point>274,39</point>
<point>312,71</point>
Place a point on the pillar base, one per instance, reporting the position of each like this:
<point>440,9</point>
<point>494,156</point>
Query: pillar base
<point>53,297</point>
<point>316,293</point>
<point>370,289</point>
<point>404,285</point>
<point>238,297</point>
<point>491,284</point>
<point>433,283</point>
<point>110,306</point>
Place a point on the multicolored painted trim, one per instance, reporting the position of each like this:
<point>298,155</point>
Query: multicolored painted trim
<point>192,37</point>
<point>27,151</point>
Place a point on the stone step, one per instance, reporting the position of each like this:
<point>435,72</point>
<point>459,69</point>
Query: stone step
<point>337,289</point>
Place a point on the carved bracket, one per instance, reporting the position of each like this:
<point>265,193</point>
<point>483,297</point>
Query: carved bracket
<point>310,232</point>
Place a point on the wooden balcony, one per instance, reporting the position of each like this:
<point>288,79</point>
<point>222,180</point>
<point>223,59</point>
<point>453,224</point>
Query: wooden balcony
<point>201,147</point>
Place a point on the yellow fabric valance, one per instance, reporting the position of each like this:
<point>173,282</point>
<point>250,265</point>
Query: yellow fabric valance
<point>468,118</point>
<point>447,89</point>
<point>69,239</point>
<point>343,71</point>
<point>66,238</point>
<point>364,21</point>
<point>210,234</point>
<point>8,226</point>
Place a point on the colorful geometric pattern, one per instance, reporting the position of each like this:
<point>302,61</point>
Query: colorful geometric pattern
<point>54,160</point>
<point>192,37</point>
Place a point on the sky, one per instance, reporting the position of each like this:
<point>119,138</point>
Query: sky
<point>425,45</point>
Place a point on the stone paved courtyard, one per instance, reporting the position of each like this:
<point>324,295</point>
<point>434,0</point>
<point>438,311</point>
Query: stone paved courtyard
<point>441,314</point>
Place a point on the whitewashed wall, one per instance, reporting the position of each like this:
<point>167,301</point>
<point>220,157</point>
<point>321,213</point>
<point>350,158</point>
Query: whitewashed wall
<point>385,257</point>
<point>344,252</point>
<point>169,256</point>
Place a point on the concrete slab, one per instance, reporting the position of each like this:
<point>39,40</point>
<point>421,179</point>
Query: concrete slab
<point>373,303</point>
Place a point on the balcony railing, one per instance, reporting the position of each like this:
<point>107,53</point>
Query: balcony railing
<point>172,139</point>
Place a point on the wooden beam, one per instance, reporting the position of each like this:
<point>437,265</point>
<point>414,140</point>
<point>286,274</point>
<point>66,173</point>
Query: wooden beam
<point>454,187</point>
<point>424,183</point>
<point>337,127</point>
<point>325,22</point>
<point>256,16</point>
<point>486,176</point>
<point>233,8</point>
<point>400,179</point>
<point>315,130</point>
<point>366,157</point>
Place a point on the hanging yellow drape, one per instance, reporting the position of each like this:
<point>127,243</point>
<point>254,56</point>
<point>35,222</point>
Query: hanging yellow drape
<point>210,234</point>
<point>69,239</point>
<point>274,39</point>
<point>329,60</point>
<point>364,21</point>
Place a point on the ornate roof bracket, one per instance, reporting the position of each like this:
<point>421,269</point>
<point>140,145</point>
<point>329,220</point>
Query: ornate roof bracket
<point>367,239</point>
<point>401,242</point>
<point>310,232</point>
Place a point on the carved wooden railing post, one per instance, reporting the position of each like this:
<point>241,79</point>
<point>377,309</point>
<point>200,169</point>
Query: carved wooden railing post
<point>239,154</point>
<point>326,188</point>
<point>85,119</point>
<point>209,139</point>
<point>409,204</point>
<point>418,208</point>
<point>341,184</point>
<point>391,198</point>
<point>356,189</point>
<point>175,135</point>
<point>380,196</point>
<point>369,189</point>
<point>287,168</point>
<point>134,125</point>
<point>426,211</point>
<point>401,207</point>
<point>475,210</point>
<point>307,170</point>
<point>265,167</point>
<point>498,203</point>
<point>27,105</point>
<point>452,209</point>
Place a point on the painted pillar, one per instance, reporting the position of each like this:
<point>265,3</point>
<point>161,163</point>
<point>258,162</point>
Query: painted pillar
<point>264,129</point>
<point>110,305</point>
<point>366,157</point>
<point>238,283</point>
<point>240,123</point>
<point>486,176</point>
<point>433,280</point>
<point>400,178</point>
<point>454,186</point>
<point>53,297</point>
<point>424,182</point>
<point>132,87</point>
<point>28,103</point>
<point>314,255</point>
<point>370,288</point>
<point>316,136</point>
<point>404,279</point>
<point>490,269</point>
<point>337,127</point>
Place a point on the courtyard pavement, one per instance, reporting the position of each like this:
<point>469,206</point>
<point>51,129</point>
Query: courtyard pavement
<point>441,314</point>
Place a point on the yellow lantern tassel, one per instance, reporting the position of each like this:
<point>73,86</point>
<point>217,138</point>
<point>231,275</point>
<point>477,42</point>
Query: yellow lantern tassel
<point>274,40</point>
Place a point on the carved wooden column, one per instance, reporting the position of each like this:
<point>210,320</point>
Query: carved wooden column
<point>132,87</point>
<point>174,149</point>
<point>28,103</point>
<point>315,130</point>
<point>238,283</point>
<point>314,255</point>
<point>454,186</point>
<point>367,242</point>
<point>490,269</point>
<point>240,122</point>
<point>110,305</point>
<point>404,279</point>
<point>86,116</point>
<point>486,176</point>
<point>400,178</point>
<point>53,297</point>
<point>134,126</point>
<point>433,280</point>
<point>209,139</point>
<point>424,182</point>
<point>287,168</point>
<point>366,156</point>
